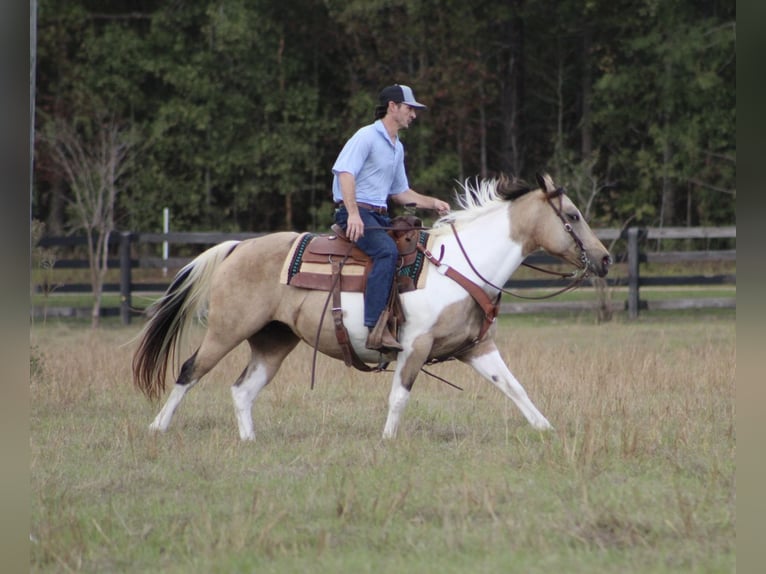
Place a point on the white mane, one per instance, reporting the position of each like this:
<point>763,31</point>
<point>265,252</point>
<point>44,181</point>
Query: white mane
<point>475,198</point>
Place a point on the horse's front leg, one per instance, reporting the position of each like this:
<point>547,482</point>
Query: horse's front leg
<point>408,365</point>
<point>486,359</point>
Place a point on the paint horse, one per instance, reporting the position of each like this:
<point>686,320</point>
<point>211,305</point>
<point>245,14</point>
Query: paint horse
<point>498,224</point>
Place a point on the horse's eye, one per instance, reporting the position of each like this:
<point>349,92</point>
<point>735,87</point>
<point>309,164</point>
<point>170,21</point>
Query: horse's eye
<point>573,216</point>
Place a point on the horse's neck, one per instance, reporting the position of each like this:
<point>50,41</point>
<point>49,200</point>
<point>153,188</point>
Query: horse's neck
<point>487,242</point>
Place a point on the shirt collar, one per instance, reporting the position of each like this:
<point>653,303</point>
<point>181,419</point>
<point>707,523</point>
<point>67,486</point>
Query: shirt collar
<point>382,131</point>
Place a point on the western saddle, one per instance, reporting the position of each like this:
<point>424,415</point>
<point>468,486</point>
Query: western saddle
<point>349,269</point>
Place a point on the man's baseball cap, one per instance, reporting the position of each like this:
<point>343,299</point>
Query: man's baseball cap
<point>399,95</point>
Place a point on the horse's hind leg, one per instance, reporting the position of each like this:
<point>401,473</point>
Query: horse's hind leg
<point>213,348</point>
<point>486,359</point>
<point>268,347</point>
<point>183,384</point>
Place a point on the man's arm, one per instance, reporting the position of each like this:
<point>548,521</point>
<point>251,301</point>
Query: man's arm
<point>354,225</point>
<point>422,201</point>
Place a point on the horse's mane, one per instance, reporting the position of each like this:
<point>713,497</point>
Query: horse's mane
<point>481,195</point>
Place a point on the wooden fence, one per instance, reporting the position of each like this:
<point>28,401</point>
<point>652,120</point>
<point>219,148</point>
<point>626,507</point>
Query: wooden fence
<point>635,252</point>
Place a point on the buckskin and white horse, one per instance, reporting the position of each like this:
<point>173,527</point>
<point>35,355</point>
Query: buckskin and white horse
<point>238,282</point>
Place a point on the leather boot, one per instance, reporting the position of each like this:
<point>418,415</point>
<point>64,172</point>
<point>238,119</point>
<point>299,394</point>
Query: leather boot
<point>388,341</point>
<point>380,337</point>
<point>384,342</point>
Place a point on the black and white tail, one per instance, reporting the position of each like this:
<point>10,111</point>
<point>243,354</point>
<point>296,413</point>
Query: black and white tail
<point>170,316</point>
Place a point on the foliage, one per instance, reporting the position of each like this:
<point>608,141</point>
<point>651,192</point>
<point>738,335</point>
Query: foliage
<point>666,109</point>
<point>242,106</point>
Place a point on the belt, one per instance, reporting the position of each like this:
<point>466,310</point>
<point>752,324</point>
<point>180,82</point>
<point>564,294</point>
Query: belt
<point>368,207</point>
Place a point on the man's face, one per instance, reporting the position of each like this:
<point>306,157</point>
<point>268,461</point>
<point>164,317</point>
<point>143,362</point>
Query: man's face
<point>403,114</point>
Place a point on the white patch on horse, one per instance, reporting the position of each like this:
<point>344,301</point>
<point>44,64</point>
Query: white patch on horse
<point>163,418</point>
<point>244,394</point>
<point>492,367</point>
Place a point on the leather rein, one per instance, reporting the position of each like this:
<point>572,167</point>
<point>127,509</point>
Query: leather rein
<point>577,276</point>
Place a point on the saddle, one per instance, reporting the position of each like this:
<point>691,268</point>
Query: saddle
<point>312,264</point>
<point>349,266</point>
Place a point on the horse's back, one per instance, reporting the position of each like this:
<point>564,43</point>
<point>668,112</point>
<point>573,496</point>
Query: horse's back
<point>271,245</point>
<point>255,263</point>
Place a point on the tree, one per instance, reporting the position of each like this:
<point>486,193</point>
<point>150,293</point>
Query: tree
<point>664,106</point>
<point>93,156</point>
<point>240,112</point>
<point>244,104</point>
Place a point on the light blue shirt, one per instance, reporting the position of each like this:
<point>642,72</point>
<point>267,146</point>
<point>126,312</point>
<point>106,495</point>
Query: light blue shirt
<point>376,163</point>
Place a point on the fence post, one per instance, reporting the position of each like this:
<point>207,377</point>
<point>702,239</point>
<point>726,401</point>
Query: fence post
<point>126,279</point>
<point>633,272</point>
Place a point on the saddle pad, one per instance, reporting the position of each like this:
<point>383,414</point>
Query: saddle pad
<point>305,269</point>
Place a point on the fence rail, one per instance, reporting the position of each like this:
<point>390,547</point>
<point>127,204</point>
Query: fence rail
<point>637,252</point>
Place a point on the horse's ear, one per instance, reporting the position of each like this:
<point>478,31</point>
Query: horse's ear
<point>545,182</point>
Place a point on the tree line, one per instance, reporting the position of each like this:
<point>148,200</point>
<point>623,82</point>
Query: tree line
<point>231,112</point>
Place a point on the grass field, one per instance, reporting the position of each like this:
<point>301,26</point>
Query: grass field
<point>637,477</point>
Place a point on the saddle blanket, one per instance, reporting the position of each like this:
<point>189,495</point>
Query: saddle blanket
<point>308,264</point>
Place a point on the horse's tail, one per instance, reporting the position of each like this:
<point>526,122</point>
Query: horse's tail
<point>171,315</point>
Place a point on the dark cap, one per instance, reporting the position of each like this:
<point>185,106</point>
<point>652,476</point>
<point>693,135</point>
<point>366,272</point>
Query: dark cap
<point>399,95</point>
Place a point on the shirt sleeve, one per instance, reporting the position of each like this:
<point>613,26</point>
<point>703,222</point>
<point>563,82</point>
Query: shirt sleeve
<point>353,155</point>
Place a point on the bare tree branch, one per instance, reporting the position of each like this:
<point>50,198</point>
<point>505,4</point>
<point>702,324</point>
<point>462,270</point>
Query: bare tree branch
<point>93,161</point>
<point>712,187</point>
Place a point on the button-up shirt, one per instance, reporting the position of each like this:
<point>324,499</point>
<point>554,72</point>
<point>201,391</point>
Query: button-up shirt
<point>376,163</point>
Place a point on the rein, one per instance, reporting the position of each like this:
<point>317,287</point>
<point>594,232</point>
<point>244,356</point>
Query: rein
<point>577,279</point>
<point>349,356</point>
<point>576,276</point>
<point>336,279</point>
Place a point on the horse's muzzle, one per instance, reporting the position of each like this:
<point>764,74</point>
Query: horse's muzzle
<point>598,266</point>
<point>602,268</point>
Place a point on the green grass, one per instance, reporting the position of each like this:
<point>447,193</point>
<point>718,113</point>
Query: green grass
<point>74,300</point>
<point>637,477</point>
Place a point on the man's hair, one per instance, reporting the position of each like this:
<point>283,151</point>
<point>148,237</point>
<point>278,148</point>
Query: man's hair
<point>381,111</point>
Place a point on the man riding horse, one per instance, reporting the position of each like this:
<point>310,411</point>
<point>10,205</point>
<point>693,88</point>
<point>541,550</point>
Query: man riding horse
<point>368,170</point>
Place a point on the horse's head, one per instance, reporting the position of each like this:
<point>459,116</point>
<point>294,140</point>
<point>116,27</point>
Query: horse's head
<point>561,230</point>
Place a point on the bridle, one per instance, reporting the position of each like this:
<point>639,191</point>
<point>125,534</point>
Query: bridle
<point>577,276</point>
<point>559,193</point>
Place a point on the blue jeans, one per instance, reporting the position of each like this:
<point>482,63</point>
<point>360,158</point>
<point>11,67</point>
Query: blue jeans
<point>382,250</point>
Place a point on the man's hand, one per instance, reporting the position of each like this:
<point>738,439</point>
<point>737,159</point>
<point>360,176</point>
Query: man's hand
<point>354,227</point>
<point>354,223</point>
<point>441,207</point>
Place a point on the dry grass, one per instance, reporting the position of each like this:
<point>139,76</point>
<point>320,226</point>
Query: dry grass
<point>638,475</point>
